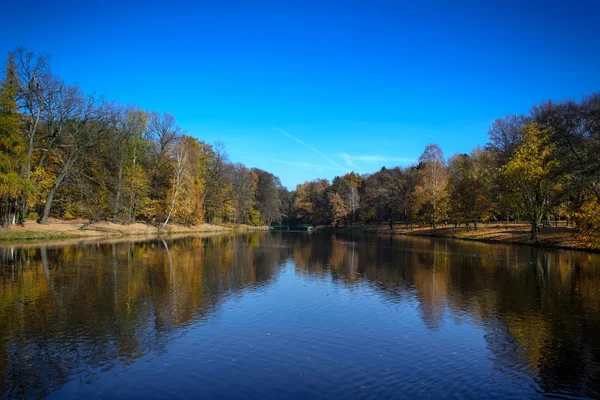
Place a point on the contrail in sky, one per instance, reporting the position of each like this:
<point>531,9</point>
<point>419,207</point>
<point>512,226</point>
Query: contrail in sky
<point>312,148</point>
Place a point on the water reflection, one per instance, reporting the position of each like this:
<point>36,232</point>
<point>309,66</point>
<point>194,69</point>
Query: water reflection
<point>73,312</point>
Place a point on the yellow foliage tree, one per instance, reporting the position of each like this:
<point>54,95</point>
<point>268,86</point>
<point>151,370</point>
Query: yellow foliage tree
<point>532,172</point>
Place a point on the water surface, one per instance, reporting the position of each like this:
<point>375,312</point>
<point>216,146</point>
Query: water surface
<point>298,315</point>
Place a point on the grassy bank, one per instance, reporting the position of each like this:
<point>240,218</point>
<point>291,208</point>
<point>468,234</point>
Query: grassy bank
<point>59,230</point>
<point>551,237</point>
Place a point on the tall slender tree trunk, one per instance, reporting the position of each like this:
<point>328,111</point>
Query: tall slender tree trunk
<point>55,186</point>
<point>434,212</point>
<point>49,201</point>
<point>119,189</point>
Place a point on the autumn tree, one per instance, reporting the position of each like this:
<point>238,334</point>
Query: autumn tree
<point>137,186</point>
<point>130,125</point>
<point>348,186</point>
<point>267,196</point>
<point>311,202</point>
<point>338,209</point>
<point>13,187</point>
<point>77,122</point>
<point>217,195</point>
<point>400,186</point>
<point>244,183</point>
<point>286,205</point>
<point>375,200</point>
<point>164,133</point>
<point>189,209</point>
<point>180,170</point>
<point>35,86</point>
<point>533,172</point>
<point>431,192</point>
<point>469,185</point>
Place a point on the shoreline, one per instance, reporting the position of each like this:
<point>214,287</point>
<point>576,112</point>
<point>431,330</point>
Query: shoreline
<point>557,238</point>
<point>59,230</point>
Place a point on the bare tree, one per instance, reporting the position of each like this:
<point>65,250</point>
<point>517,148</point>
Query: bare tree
<point>36,84</point>
<point>79,122</point>
<point>181,156</point>
<point>130,126</point>
<point>353,199</point>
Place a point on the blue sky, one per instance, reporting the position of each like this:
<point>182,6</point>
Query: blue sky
<point>316,89</point>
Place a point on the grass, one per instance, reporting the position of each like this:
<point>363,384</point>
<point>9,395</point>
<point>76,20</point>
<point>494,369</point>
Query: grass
<point>11,235</point>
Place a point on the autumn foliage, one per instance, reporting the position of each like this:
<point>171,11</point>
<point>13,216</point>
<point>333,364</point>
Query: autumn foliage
<point>67,154</point>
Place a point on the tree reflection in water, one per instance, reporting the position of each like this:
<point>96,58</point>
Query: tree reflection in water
<point>74,311</point>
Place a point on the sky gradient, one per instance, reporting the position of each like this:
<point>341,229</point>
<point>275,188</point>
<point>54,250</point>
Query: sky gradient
<point>317,89</point>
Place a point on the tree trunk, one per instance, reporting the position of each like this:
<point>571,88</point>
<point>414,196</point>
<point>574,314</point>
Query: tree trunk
<point>535,226</point>
<point>119,188</point>
<point>57,183</point>
<point>91,221</point>
<point>48,205</point>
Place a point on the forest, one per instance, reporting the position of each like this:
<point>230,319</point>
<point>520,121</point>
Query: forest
<point>71,155</point>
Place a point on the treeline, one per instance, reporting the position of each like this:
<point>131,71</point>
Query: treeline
<point>68,154</point>
<point>541,168</point>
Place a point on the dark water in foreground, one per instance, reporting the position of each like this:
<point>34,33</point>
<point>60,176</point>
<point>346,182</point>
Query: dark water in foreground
<point>298,315</point>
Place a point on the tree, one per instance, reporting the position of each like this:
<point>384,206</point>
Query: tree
<point>217,195</point>
<point>575,129</point>
<point>505,136</point>
<point>36,84</point>
<point>12,148</point>
<point>469,185</point>
<point>311,202</point>
<point>164,133</point>
<point>189,209</point>
<point>180,156</point>
<point>130,127</point>
<point>348,187</point>
<point>533,172</point>
<point>352,197</point>
<point>137,180</point>
<point>338,209</point>
<point>286,205</point>
<point>78,126</point>
<point>400,184</point>
<point>431,190</point>
<point>245,183</point>
<point>267,196</point>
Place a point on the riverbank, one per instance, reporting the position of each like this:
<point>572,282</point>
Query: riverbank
<point>561,237</point>
<point>58,230</point>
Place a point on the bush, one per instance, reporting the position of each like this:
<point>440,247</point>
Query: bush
<point>588,221</point>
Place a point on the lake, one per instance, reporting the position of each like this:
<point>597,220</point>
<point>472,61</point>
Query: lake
<point>298,315</point>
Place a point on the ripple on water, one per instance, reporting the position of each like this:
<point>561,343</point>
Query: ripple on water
<point>299,316</point>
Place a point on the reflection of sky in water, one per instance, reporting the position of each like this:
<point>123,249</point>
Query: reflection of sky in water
<point>299,315</point>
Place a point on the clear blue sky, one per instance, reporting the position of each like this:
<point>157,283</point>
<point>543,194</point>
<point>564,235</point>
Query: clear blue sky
<point>315,89</point>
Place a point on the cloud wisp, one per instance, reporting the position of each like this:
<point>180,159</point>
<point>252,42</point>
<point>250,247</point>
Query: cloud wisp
<point>313,149</point>
<point>306,165</point>
<point>371,159</point>
<point>352,161</point>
